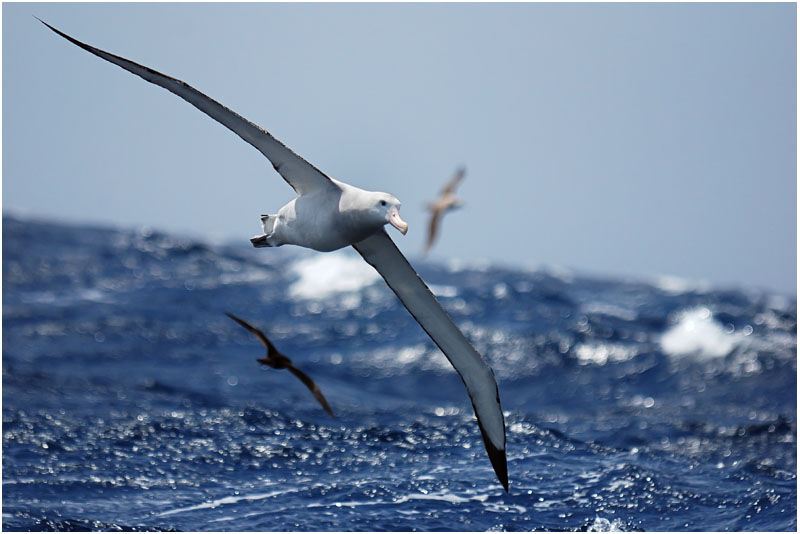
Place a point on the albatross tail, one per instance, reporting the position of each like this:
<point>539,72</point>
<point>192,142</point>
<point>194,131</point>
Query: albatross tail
<point>268,225</point>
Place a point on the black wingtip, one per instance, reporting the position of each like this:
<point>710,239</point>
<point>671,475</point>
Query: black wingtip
<point>241,322</point>
<point>52,28</point>
<point>72,40</point>
<point>232,316</point>
<point>62,34</point>
<point>497,457</point>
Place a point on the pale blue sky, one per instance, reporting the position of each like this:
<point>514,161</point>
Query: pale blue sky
<point>613,139</point>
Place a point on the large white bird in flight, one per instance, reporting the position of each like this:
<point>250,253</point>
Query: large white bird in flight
<point>328,215</point>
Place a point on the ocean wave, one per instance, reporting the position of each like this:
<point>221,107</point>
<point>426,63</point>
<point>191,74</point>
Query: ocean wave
<point>324,275</point>
<point>695,332</point>
<point>676,285</point>
<point>224,501</point>
<point>629,405</point>
<point>601,524</point>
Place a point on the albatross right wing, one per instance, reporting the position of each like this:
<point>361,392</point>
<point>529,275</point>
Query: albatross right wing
<point>454,181</point>
<point>380,251</point>
<point>298,173</point>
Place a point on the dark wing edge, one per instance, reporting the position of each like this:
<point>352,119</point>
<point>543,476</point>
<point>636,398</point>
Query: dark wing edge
<point>380,251</point>
<point>271,350</point>
<point>258,333</point>
<point>312,386</point>
<point>298,173</point>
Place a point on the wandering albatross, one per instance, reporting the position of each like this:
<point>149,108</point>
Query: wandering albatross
<point>328,215</point>
<point>447,201</point>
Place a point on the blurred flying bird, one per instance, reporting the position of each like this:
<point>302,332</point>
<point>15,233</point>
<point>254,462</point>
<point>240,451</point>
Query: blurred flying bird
<point>276,360</point>
<point>447,201</point>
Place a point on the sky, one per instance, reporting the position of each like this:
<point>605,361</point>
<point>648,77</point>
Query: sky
<point>621,140</point>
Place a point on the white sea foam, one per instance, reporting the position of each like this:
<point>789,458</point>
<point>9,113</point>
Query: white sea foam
<point>323,275</point>
<point>602,524</point>
<point>696,332</point>
<point>445,496</point>
<point>602,353</point>
<point>223,519</point>
<point>440,496</point>
<point>675,285</point>
<point>559,272</point>
<point>246,276</point>
<point>443,290</point>
<point>609,309</point>
<point>223,501</point>
<point>455,265</point>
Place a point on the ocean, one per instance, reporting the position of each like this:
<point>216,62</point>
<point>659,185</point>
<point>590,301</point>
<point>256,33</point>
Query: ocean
<point>132,402</point>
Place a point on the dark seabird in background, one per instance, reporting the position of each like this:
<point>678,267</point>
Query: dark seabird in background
<point>277,360</point>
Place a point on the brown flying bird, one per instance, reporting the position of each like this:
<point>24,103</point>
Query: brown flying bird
<point>447,201</point>
<point>276,360</point>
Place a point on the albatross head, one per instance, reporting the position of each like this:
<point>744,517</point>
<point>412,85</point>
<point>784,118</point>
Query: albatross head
<point>385,209</point>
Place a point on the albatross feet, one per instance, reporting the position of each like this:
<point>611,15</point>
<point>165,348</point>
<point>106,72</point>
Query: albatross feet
<point>268,225</point>
<point>260,241</point>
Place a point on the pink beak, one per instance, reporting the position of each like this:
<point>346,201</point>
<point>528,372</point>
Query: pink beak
<point>397,222</point>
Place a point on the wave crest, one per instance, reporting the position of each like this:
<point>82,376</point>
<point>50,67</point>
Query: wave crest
<point>324,275</point>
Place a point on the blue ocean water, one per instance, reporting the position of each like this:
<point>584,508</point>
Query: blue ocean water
<point>131,402</point>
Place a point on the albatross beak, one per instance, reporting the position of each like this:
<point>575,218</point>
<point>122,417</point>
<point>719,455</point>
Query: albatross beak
<point>397,222</point>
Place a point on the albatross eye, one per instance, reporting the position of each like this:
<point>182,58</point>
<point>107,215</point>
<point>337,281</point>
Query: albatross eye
<point>383,202</point>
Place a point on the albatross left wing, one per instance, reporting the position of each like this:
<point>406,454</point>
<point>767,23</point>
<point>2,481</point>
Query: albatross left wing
<point>433,227</point>
<point>298,173</point>
<point>380,251</point>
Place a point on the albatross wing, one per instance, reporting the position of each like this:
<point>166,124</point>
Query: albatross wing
<point>454,181</point>
<point>380,251</point>
<point>433,227</point>
<point>298,173</point>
